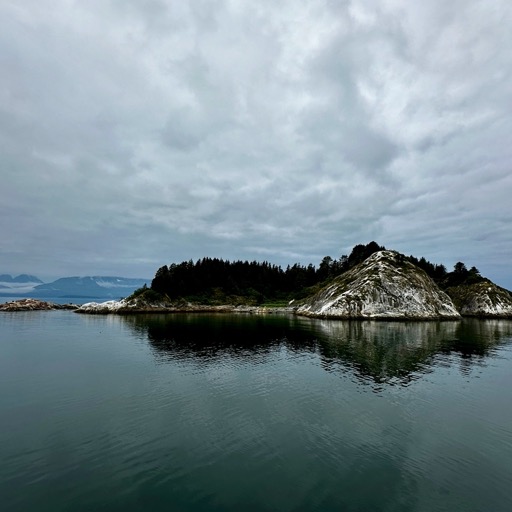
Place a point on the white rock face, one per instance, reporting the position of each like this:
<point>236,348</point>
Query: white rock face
<point>383,286</point>
<point>482,299</point>
<point>110,306</point>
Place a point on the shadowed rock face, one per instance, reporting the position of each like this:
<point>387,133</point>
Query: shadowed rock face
<point>383,286</point>
<point>482,299</point>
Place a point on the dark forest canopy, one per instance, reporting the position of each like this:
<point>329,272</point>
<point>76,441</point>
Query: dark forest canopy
<point>214,280</point>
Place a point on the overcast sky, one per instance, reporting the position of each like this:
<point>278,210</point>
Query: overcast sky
<point>136,133</point>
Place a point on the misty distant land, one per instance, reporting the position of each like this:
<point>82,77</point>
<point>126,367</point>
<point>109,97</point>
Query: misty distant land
<point>97,287</point>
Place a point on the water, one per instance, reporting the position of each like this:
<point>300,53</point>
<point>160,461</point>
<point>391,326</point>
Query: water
<point>230,413</point>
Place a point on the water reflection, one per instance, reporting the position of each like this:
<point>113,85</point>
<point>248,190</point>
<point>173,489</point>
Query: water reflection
<point>382,352</point>
<point>399,352</point>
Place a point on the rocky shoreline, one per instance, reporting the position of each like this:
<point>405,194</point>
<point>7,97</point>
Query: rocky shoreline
<point>482,301</point>
<point>125,307</point>
<point>35,305</point>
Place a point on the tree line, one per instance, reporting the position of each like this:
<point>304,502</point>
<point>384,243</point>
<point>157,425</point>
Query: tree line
<point>214,279</point>
<point>460,275</point>
<point>210,280</point>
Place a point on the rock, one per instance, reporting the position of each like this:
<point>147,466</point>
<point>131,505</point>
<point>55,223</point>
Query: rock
<point>33,305</point>
<point>383,286</point>
<point>132,306</point>
<point>110,306</point>
<point>483,299</point>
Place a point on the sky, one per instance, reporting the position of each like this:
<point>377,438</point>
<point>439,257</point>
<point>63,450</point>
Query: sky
<point>137,133</point>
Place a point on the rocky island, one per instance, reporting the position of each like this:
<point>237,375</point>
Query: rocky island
<point>34,305</point>
<point>370,283</point>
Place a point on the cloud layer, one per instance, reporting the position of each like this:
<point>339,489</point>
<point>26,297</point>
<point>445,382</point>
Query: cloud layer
<point>137,133</point>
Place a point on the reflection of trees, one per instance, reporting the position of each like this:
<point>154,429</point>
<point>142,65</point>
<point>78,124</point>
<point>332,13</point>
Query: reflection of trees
<point>376,350</point>
<point>204,336</point>
<point>476,340</point>
<point>479,337</point>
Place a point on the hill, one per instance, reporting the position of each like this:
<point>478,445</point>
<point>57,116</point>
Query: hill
<point>481,299</point>
<point>385,285</point>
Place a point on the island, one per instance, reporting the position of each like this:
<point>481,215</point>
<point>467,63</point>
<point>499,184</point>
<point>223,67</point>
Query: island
<point>35,305</point>
<point>370,283</point>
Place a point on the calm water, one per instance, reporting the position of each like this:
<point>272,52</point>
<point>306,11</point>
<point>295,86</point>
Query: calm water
<point>242,413</point>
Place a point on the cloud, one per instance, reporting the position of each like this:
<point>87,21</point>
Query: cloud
<point>134,134</point>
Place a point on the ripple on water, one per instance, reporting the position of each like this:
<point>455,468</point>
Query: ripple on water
<point>254,414</point>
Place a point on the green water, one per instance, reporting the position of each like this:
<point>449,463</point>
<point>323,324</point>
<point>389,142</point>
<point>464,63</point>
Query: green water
<point>243,413</point>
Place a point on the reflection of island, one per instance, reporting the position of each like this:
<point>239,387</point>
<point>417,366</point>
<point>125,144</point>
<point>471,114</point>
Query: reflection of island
<point>382,352</point>
<point>195,336</point>
<point>403,351</point>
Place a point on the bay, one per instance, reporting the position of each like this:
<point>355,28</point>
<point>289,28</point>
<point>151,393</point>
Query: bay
<point>247,412</point>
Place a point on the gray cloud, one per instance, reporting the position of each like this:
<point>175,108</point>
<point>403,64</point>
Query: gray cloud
<point>134,134</point>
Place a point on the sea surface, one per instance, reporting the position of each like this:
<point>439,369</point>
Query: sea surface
<point>253,413</point>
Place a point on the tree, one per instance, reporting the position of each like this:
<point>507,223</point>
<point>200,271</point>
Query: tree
<point>360,252</point>
<point>460,268</point>
<point>324,269</point>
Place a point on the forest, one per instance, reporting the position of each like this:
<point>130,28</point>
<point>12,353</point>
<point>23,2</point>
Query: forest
<point>216,281</point>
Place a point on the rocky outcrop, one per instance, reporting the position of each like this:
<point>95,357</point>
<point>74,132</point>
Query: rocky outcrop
<point>110,306</point>
<point>132,306</point>
<point>383,286</point>
<point>34,305</point>
<point>483,299</point>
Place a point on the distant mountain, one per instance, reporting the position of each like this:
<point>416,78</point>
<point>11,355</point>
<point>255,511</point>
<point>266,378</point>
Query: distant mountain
<point>21,279</point>
<point>89,286</point>
<point>19,285</point>
<point>108,287</point>
<point>26,278</point>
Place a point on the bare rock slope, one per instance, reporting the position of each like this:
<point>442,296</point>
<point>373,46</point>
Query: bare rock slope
<point>483,299</point>
<point>382,286</point>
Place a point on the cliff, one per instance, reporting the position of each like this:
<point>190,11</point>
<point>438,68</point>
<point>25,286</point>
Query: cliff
<point>383,286</point>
